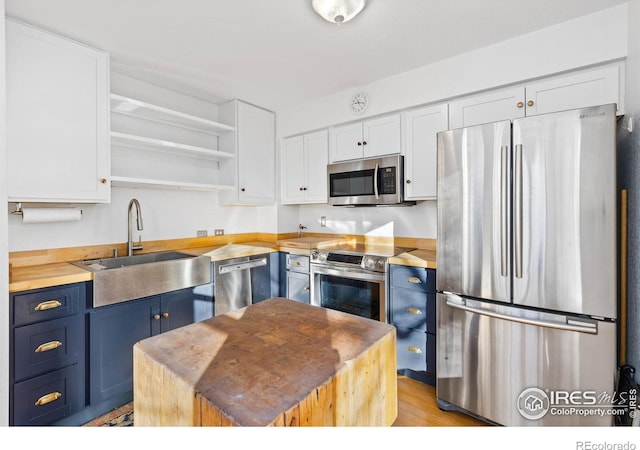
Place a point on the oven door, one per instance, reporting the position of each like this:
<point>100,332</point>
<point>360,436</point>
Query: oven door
<point>349,290</point>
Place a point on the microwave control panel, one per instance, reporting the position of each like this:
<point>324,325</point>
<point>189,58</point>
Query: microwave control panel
<point>387,180</point>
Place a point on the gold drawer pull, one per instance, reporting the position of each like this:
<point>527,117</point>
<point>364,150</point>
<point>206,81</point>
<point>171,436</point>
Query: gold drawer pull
<point>48,398</point>
<point>296,263</point>
<point>414,280</point>
<point>414,311</point>
<point>414,349</point>
<point>52,345</point>
<point>51,304</point>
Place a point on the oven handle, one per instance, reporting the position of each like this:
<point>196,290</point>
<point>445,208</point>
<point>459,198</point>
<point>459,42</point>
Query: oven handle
<point>348,273</point>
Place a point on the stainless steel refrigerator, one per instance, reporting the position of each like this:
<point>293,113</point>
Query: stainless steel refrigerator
<point>527,269</point>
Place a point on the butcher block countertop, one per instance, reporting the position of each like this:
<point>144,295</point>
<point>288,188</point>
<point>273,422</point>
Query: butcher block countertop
<point>274,363</point>
<point>418,258</point>
<point>38,274</point>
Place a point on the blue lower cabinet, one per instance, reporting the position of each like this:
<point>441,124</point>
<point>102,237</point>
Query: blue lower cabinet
<point>47,354</point>
<point>412,312</point>
<point>115,329</point>
<point>48,398</point>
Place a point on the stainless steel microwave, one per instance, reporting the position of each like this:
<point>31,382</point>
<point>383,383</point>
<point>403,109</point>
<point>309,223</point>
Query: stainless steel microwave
<point>367,182</point>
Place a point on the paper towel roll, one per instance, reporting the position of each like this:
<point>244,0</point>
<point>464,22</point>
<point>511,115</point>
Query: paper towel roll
<point>38,215</point>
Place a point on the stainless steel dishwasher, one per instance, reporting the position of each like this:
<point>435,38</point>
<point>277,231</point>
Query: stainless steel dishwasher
<point>234,281</point>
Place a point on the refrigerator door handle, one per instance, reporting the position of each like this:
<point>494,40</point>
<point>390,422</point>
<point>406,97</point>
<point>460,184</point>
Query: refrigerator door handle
<point>517,211</point>
<point>571,325</point>
<point>504,217</point>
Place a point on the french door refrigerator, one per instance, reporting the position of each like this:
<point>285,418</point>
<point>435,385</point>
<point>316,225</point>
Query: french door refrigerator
<point>527,269</point>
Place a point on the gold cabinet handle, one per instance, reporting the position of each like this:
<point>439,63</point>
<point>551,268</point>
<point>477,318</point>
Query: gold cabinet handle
<point>414,311</point>
<point>48,398</point>
<point>103,180</point>
<point>296,263</point>
<point>414,349</point>
<point>51,304</point>
<point>519,104</point>
<point>414,280</point>
<point>306,288</point>
<point>408,181</point>
<point>156,317</point>
<point>47,346</point>
<point>530,103</point>
<point>165,315</point>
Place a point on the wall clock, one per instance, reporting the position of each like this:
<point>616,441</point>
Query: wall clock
<point>359,103</point>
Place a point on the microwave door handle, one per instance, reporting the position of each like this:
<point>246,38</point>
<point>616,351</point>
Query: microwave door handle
<point>375,182</point>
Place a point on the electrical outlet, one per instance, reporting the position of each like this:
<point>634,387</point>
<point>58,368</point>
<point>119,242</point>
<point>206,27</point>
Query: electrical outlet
<point>201,233</point>
<point>323,221</point>
<point>219,232</point>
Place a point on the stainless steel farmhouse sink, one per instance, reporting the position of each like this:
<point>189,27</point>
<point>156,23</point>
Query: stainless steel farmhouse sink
<point>129,277</point>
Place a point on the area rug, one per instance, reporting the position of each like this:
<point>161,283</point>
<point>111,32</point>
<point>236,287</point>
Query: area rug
<point>119,417</point>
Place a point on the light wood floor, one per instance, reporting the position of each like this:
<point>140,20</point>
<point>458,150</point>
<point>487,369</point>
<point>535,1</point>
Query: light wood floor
<point>418,407</point>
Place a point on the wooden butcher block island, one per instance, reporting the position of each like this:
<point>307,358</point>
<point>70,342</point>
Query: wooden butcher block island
<point>275,363</point>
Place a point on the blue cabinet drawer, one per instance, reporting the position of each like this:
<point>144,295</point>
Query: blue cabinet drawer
<point>416,350</point>
<point>298,263</point>
<point>47,304</point>
<point>415,278</point>
<point>46,346</point>
<point>45,399</point>
<point>413,310</point>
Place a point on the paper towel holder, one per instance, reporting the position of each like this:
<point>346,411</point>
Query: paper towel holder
<point>18,210</point>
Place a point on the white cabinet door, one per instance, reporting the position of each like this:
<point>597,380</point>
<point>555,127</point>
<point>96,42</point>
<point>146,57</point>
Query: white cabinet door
<point>293,170</point>
<point>489,107</point>
<point>421,127</point>
<point>346,142</point>
<point>304,168</point>
<point>381,136</point>
<point>316,146</point>
<point>588,88</point>
<point>254,145</point>
<point>374,137</point>
<point>57,118</point>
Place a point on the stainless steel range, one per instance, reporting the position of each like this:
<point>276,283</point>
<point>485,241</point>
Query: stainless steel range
<point>352,279</point>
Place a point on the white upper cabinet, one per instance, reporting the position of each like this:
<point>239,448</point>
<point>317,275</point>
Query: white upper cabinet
<point>374,137</point>
<point>597,86</point>
<point>420,127</point>
<point>493,106</point>
<point>57,118</point>
<point>588,88</point>
<point>304,168</point>
<point>253,143</point>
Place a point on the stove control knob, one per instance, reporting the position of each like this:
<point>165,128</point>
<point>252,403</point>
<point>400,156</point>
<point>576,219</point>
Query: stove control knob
<point>369,263</point>
<point>380,264</point>
<point>314,256</point>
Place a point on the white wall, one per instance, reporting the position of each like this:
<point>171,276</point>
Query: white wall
<point>167,214</point>
<point>592,39</point>
<point>4,272</point>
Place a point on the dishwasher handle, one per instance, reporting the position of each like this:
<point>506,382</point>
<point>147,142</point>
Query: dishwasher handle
<point>245,265</point>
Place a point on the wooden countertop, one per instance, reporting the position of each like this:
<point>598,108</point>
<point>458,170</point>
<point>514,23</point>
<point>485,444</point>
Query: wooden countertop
<point>277,362</point>
<point>38,276</point>
<point>417,258</point>
<point>46,275</point>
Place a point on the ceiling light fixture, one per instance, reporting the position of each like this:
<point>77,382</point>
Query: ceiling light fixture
<point>338,11</point>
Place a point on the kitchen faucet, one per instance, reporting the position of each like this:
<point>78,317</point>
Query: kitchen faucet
<point>300,228</point>
<point>130,246</point>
